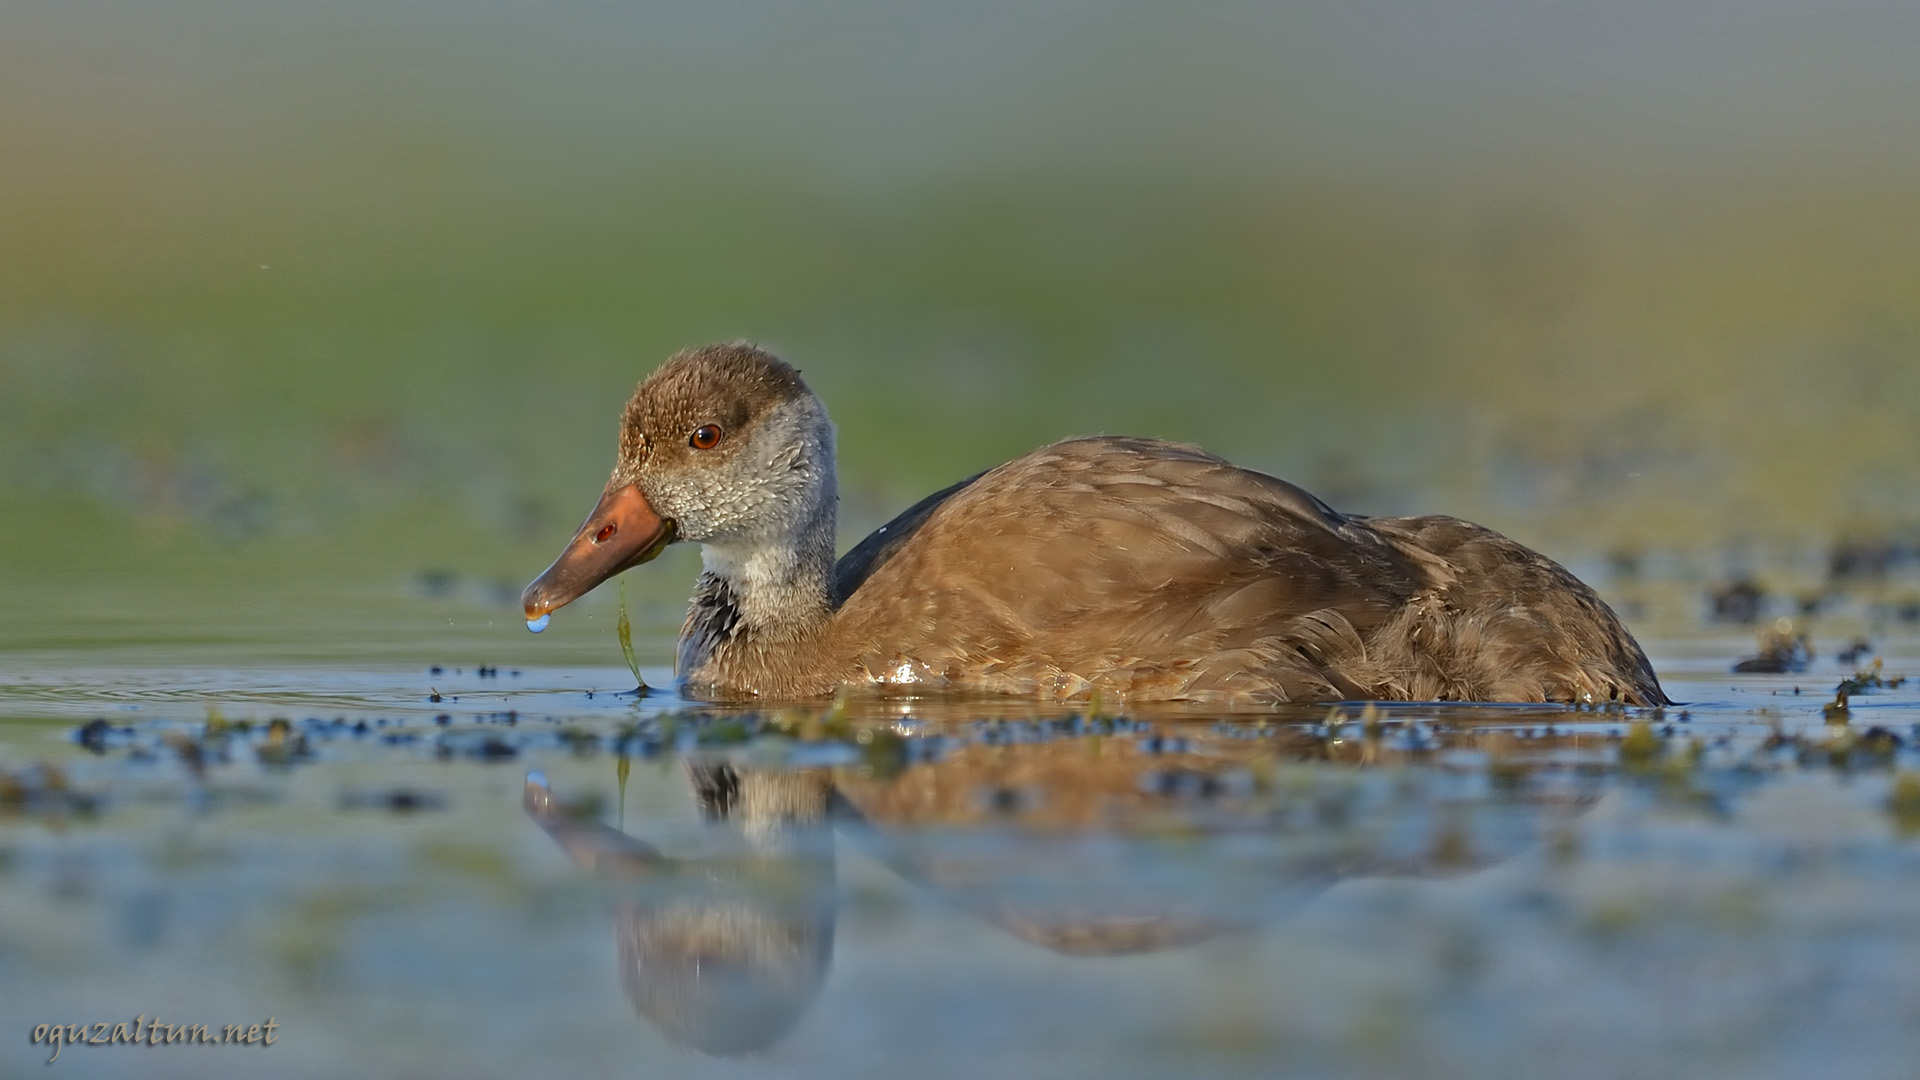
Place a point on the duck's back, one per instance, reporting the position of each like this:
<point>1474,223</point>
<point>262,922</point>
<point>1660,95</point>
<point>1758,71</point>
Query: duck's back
<point>1151,570</point>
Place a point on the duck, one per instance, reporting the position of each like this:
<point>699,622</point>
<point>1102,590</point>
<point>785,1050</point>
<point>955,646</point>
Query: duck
<point>1115,568</point>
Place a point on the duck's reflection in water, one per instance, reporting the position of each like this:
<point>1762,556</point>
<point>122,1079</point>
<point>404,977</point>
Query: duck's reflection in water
<point>722,954</point>
<point>1083,848</point>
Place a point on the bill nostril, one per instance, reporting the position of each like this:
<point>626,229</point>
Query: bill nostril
<point>606,533</point>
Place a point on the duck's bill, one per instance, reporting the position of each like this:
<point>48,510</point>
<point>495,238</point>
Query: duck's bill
<point>623,531</point>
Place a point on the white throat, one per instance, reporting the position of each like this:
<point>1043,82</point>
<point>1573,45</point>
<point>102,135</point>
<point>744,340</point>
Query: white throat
<point>782,587</point>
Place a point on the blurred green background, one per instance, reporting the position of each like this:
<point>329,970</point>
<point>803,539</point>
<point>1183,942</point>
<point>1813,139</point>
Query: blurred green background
<point>302,301</point>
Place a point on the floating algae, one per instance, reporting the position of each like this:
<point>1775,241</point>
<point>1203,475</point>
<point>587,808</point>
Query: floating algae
<point>624,630</point>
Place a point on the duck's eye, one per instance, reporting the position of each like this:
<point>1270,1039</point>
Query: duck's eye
<point>606,533</point>
<point>705,437</point>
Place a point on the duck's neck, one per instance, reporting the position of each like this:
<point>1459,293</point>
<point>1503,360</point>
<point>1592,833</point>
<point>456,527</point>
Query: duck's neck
<point>779,592</point>
<point>762,607</point>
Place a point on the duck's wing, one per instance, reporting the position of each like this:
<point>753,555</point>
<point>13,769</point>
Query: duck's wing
<point>1146,568</point>
<point>880,545</point>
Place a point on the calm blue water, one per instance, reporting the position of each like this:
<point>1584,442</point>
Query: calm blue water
<point>951,888</point>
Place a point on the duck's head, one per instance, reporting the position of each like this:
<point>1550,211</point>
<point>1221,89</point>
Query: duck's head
<point>723,445</point>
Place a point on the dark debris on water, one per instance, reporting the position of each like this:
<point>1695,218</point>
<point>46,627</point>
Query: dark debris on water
<point>395,800</point>
<point>1781,651</point>
<point>1192,763</point>
<point>45,791</point>
<point>1870,679</point>
<point>1738,602</point>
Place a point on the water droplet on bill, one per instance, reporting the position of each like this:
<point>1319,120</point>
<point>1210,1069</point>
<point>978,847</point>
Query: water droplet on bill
<point>539,624</point>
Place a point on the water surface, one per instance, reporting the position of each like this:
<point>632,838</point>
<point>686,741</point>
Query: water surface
<point>199,833</point>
